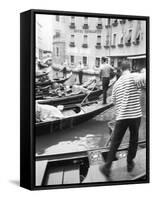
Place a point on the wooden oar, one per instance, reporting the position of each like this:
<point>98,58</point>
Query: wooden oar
<point>87,95</point>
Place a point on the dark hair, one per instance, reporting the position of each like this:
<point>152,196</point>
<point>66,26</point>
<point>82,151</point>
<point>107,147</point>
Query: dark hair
<point>125,65</point>
<point>103,59</point>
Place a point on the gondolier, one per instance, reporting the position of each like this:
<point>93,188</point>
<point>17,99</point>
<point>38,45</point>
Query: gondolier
<point>105,72</point>
<point>126,97</point>
<point>64,70</point>
<point>80,72</point>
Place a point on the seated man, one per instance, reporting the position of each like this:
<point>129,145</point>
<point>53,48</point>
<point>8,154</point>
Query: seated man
<point>46,113</point>
<point>77,89</point>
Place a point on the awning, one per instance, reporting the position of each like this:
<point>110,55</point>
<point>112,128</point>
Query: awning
<point>136,57</point>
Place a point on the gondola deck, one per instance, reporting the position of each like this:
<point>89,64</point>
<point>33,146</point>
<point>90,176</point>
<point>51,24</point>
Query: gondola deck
<point>85,169</point>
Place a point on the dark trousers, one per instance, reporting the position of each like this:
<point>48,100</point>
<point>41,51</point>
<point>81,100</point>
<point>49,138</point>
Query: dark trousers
<point>80,77</point>
<point>105,84</point>
<point>119,131</point>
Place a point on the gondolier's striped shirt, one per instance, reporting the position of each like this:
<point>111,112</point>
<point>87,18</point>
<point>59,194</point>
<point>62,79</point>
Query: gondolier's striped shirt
<point>126,96</point>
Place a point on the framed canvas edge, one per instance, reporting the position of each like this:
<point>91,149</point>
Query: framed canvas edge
<point>32,13</point>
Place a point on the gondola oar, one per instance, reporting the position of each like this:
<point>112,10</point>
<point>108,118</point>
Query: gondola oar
<point>87,95</point>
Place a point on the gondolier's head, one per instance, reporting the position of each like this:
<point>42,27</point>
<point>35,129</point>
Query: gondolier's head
<point>103,59</point>
<point>125,65</point>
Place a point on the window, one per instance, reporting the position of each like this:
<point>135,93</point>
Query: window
<point>57,18</point>
<point>99,20</point>
<point>84,60</point>
<point>57,51</point>
<point>97,62</point>
<point>128,38</point>
<point>122,21</point>
<point>107,23</point>
<point>137,39</point>
<point>57,34</point>
<point>113,40</point>
<point>115,22</point>
<point>85,39</point>
<point>99,25</point>
<point>85,44</point>
<point>98,38</point>
<point>86,20</point>
<point>72,19</point>
<point>121,40</point>
<point>86,26</point>
<point>72,42</point>
<point>137,36</point>
<point>72,38</point>
<point>98,45</point>
<point>72,24</point>
<point>72,59</point>
<point>107,42</point>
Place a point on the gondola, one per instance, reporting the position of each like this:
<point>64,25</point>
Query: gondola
<point>62,80</point>
<point>41,74</point>
<point>55,80</point>
<point>84,167</point>
<point>73,115</point>
<point>71,98</point>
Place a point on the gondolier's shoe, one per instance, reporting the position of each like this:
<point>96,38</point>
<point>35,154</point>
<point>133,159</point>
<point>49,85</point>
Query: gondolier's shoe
<point>104,170</point>
<point>130,166</point>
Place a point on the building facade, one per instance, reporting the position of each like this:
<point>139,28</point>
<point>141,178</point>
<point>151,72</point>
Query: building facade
<point>43,39</point>
<point>88,39</point>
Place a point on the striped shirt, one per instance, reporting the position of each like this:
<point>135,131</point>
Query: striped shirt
<point>126,96</point>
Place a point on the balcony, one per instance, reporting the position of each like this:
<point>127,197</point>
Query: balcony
<point>136,42</point>
<point>98,46</point>
<point>84,45</point>
<point>106,46</point>
<point>99,26</point>
<point>115,23</point>
<point>85,26</point>
<point>107,25</point>
<point>122,21</point>
<point>113,45</point>
<point>72,44</point>
<point>120,45</point>
<point>128,43</point>
<point>57,35</point>
<point>72,26</point>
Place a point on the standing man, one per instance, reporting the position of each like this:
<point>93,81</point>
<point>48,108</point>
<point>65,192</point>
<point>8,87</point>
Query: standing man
<point>64,69</point>
<point>126,98</point>
<point>80,72</point>
<point>105,72</point>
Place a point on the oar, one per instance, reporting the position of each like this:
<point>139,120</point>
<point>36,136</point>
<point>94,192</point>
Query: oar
<point>87,95</point>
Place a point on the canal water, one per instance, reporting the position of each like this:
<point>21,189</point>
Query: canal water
<point>92,134</point>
